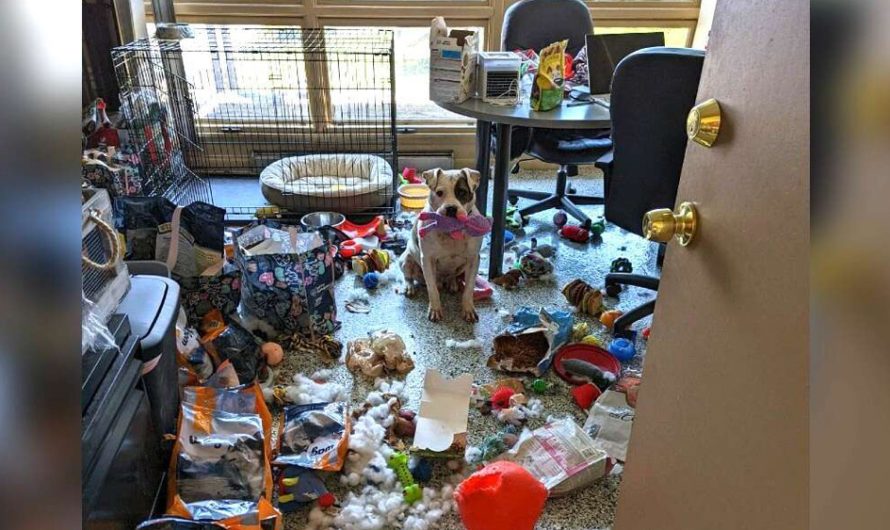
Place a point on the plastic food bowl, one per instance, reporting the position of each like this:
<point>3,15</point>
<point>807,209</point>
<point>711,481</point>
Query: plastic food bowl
<point>413,196</point>
<point>585,352</point>
<point>315,220</point>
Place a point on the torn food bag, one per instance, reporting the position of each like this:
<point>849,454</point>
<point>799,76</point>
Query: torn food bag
<point>315,436</point>
<point>610,422</point>
<point>528,343</point>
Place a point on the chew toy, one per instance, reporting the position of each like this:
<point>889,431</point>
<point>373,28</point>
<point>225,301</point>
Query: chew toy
<point>501,496</point>
<point>583,296</point>
<point>375,260</point>
<point>475,225</point>
<point>575,233</point>
<point>608,318</point>
<point>398,462</point>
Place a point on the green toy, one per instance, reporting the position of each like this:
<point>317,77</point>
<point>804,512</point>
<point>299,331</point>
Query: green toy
<point>399,463</point>
<point>598,227</point>
<point>539,386</point>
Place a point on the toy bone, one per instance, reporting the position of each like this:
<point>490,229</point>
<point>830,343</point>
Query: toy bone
<point>475,225</point>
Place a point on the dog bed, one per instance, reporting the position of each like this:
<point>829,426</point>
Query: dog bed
<point>345,183</point>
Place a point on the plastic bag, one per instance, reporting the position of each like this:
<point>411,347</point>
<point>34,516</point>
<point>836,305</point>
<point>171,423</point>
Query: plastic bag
<point>547,88</point>
<point>220,469</point>
<point>94,332</point>
<point>531,339</point>
<point>559,454</point>
<point>194,363</point>
<point>315,436</point>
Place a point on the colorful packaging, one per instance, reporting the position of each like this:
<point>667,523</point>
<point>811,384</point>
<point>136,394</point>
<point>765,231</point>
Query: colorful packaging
<point>314,436</point>
<point>220,469</point>
<point>547,87</point>
<point>231,342</point>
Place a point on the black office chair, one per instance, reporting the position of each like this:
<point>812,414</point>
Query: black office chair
<point>533,24</point>
<point>652,92</point>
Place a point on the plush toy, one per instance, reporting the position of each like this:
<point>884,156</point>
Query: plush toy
<point>273,352</point>
<point>575,233</point>
<point>475,225</point>
<point>534,265</point>
<point>501,496</point>
<point>583,296</point>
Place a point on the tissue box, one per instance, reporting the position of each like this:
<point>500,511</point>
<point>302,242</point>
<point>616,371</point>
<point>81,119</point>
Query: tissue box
<point>442,419</point>
<point>452,62</point>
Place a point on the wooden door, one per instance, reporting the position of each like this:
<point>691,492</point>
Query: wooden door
<point>720,439</point>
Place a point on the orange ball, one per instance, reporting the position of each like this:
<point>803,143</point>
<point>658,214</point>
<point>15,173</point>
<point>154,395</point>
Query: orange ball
<point>608,318</point>
<point>501,496</point>
<point>273,352</point>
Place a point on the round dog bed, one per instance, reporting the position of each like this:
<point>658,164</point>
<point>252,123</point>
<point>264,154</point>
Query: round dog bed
<point>344,183</point>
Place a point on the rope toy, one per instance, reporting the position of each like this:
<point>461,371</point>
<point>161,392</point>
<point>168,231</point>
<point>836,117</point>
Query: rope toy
<point>113,243</point>
<point>476,225</point>
<point>581,295</point>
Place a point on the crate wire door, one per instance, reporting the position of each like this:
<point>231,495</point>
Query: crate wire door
<point>158,111</point>
<point>268,93</point>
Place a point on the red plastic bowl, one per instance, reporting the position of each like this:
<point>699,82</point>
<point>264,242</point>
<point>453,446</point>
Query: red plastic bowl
<point>585,352</point>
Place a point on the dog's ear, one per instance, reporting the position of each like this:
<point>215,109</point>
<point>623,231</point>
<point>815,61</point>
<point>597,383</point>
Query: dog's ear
<point>473,177</point>
<point>431,177</point>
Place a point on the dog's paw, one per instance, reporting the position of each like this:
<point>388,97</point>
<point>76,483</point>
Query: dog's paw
<point>469,314</point>
<point>410,290</point>
<point>435,314</point>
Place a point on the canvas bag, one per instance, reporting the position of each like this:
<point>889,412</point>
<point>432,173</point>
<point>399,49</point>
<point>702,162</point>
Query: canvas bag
<point>287,278</point>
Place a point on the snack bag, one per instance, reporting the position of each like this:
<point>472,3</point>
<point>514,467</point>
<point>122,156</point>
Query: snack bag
<point>314,436</point>
<point>231,342</point>
<point>547,86</point>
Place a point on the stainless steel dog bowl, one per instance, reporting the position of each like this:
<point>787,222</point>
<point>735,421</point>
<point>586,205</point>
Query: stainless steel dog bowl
<point>314,220</point>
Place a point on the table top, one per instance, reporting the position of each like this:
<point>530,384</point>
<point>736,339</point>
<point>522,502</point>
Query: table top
<point>590,116</point>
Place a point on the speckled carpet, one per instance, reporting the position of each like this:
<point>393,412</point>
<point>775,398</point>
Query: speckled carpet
<point>591,508</point>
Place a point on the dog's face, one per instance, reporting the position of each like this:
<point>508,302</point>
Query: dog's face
<point>452,191</point>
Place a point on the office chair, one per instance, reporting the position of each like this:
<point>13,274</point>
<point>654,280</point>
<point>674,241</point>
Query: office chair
<point>652,92</point>
<point>533,24</point>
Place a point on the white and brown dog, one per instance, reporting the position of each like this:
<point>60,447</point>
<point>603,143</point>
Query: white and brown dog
<point>439,260</point>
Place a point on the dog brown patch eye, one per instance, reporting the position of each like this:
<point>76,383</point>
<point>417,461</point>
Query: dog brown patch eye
<point>439,193</point>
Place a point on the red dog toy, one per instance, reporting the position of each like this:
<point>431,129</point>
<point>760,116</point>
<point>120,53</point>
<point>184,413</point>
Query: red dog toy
<point>575,233</point>
<point>501,496</point>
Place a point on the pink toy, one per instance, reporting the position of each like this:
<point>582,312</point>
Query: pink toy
<point>475,225</point>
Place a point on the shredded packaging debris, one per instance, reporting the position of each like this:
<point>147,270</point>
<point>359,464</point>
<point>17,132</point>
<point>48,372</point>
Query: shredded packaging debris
<point>307,390</point>
<point>464,344</point>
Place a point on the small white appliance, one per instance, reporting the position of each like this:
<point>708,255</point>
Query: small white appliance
<point>499,77</point>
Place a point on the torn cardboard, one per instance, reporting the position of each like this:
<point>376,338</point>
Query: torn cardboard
<point>442,418</point>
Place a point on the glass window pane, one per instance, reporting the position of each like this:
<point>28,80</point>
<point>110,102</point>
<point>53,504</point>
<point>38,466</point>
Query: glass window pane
<point>673,37</point>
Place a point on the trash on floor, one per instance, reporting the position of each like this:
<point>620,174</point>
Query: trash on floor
<point>526,346</point>
<point>534,265</point>
<point>231,342</point>
<point>587,299</point>
<point>442,417</point>
<point>314,436</point>
<point>298,486</point>
<point>509,280</point>
<point>561,455</point>
<point>500,496</point>
<point>383,352</point>
<point>325,346</point>
<point>470,344</point>
<point>609,423</point>
<point>306,390</point>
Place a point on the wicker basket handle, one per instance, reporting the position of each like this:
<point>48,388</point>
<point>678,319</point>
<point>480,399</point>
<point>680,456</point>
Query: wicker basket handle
<point>113,243</point>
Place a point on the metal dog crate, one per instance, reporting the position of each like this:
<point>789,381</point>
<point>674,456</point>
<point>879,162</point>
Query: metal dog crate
<point>247,96</point>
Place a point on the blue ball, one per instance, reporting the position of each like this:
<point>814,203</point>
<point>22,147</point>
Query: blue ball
<point>622,349</point>
<point>508,237</point>
<point>371,280</point>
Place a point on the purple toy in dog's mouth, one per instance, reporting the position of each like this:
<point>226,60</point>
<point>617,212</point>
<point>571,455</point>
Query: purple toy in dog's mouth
<point>475,225</point>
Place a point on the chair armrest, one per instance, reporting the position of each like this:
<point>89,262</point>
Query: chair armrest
<point>605,162</point>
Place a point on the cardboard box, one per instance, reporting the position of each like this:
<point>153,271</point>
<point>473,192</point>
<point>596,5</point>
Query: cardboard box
<point>442,419</point>
<point>452,62</point>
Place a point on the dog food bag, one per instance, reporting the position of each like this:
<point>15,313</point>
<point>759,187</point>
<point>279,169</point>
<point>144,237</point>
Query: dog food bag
<point>547,87</point>
<point>220,469</point>
<point>314,436</point>
<point>559,454</point>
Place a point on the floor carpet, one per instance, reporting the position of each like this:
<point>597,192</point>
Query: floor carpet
<point>590,508</point>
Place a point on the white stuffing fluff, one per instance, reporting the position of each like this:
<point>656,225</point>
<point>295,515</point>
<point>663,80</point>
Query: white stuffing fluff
<point>521,413</point>
<point>464,344</point>
<point>379,503</point>
<point>315,389</point>
<point>503,313</point>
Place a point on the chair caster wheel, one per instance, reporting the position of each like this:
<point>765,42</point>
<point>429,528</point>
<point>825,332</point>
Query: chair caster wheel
<point>525,221</point>
<point>571,190</point>
<point>613,290</point>
<point>513,199</point>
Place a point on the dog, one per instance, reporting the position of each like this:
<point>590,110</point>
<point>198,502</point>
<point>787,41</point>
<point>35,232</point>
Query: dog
<point>439,260</point>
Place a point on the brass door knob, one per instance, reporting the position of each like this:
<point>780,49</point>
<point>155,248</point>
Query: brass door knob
<point>703,123</point>
<point>662,224</point>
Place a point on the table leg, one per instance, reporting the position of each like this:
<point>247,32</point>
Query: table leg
<point>483,163</point>
<point>499,200</point>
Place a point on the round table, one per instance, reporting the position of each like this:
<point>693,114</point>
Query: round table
<point>569,115</point>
